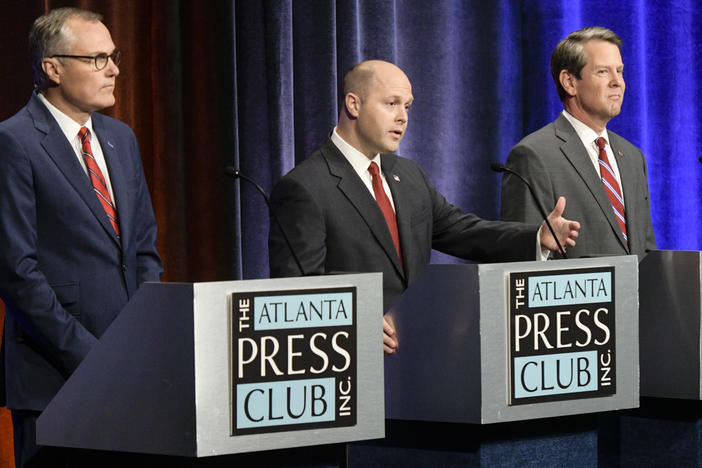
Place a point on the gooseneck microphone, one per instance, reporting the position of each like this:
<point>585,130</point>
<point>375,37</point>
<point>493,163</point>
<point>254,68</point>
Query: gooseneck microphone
<point>235,174</point>
<point>497,167</point>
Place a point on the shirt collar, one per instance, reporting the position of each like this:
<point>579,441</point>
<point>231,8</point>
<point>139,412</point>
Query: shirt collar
<point>358,160</point>
<point>585,133</point>
<point>68,126</point>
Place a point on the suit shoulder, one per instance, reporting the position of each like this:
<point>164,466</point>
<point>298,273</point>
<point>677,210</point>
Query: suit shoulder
<point>112,124</point>
<point>542,144</point>
<point>620,143</point>
<point>404,162</point>
<point>309,167</point>
<point>311,174</point>
<point>18,123</point>
<point>17,136</point>
<point>393,162</point>
<point>546,135</point>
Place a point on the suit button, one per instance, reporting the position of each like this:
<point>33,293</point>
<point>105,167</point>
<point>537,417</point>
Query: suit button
<point>124,267</point>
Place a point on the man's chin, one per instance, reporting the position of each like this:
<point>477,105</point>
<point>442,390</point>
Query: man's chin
<point>105,103</point>
<point>391,148</point>
<point>615,110</point>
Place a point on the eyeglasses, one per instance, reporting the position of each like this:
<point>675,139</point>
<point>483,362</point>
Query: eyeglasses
<point>100,59</point>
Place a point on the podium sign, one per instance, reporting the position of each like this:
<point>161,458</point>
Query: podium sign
<point>503,342</point>
<point>294,360</point>
<point>230,367</point>
<point>561,334</point>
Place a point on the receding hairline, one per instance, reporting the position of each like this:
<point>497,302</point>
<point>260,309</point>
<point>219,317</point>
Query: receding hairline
<point>361,76</point>
<point>55,22</point>
<point>50,35</point>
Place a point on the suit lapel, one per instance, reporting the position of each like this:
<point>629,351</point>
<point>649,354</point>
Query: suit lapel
<point>63,155</point>
<point>358,195</point>
<point>629,188</point>
<point>400,196</point>
<point>576,154</point>
<point>117,179</point>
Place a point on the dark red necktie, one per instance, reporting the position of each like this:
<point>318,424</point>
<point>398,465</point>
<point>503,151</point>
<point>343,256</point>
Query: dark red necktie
<point>97,179</point>
<point>611,186</point>
<point>385,206</point>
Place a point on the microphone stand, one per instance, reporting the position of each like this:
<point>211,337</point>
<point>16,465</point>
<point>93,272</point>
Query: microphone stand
<point>235,174</point>
<point>497,167</point>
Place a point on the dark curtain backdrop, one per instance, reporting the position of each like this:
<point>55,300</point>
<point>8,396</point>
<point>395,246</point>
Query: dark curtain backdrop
<point>480,72</point>
<point>254,84</point>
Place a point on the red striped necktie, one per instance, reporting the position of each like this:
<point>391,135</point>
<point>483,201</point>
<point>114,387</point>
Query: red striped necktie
<point>97,179</point>
<point>611,186</point>
<point>385,206</point>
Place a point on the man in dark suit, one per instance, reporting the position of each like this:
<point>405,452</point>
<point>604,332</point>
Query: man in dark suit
<point>77,229</point>
<point>606,188</point>
<point>342,214</point>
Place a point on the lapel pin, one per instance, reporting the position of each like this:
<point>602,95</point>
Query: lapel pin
<point>621,155</point>
<point>109,143</point>
<point>396,177</point>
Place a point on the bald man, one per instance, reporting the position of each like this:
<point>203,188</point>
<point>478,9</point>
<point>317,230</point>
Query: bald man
<point>354,206</point>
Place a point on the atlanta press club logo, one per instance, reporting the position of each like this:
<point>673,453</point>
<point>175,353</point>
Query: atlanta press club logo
<point>293,360</point>
<point>561,335</point>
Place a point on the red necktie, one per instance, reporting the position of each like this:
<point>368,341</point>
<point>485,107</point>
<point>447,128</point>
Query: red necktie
<point>385,206</point>
<point>97,179</point>
<point>611,186</point>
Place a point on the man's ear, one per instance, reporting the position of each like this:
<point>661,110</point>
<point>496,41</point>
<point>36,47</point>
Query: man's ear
<point>352,102</point>
<point>51,69</point>
<point>568,80</point>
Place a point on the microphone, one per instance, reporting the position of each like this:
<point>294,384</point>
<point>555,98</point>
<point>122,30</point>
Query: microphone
<point>497,167</point>
<point>235,174</point>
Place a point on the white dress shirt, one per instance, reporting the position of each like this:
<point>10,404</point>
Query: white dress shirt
<point>360,164</point>
<point>588,137</point>
<point>70,128</point>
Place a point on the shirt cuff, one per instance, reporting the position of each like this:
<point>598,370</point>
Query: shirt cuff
<point>542,254</point>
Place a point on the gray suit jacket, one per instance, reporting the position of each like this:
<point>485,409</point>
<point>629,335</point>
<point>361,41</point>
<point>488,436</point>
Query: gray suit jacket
<point>555,162</point>
<point>335,225</point>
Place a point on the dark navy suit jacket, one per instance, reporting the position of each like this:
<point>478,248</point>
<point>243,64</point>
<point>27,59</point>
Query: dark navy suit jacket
<point>335,224</point>
<point>64,275</point>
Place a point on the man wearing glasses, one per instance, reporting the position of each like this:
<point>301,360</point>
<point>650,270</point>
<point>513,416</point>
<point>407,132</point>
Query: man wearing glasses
<point>77,230</point>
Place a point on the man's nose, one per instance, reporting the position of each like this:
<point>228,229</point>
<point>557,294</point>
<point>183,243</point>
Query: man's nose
<point>617,79</point>
<point>402,114</point>
<point>112,69</point>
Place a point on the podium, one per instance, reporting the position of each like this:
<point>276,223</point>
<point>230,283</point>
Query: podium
<point>667,428</point>
<point>460,393</point>
<point>203,369</point>
<point>489,343</point>
<point>670,311</point>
